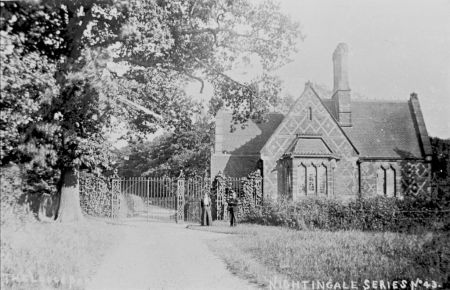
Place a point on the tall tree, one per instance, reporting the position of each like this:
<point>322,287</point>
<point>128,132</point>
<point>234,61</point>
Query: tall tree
<point>157,45</point>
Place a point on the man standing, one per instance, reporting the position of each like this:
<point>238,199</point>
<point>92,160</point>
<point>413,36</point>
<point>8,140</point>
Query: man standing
<point>206,210</point>
<point>233,204</point>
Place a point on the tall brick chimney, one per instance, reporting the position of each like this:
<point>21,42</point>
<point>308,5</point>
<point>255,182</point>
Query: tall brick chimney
<point>341,91</point>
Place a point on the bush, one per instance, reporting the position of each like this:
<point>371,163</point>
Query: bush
<point>368,214</point>
<point>12,209</point>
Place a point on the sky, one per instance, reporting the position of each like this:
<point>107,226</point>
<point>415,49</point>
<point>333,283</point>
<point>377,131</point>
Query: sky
<point>396,47</point>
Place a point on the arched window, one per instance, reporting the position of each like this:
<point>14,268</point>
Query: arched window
<point>322,180</point>
<point>301,191</point>
<point>380,181</point>
<point>312,180</point>
<point>288,175</point>
<point>390,182</point>
<point>310,113</point>
<point>386,181</point>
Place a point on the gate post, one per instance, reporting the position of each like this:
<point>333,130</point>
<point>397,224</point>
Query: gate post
<point>220,202</point>
<point>179,216</point>
<point>115,200</point>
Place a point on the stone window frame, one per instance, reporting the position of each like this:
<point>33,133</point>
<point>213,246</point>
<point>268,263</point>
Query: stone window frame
<point>300,170</point>
<point>384,168</point>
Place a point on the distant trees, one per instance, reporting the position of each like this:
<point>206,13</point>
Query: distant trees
<point>187,150</point>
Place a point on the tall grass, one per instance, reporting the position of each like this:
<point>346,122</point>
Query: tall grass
<point>42,255</point>
<point>52,255</point>
<point>336,256</point>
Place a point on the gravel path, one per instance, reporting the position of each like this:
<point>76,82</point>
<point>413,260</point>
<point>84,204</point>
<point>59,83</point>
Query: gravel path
<point>164,256</point>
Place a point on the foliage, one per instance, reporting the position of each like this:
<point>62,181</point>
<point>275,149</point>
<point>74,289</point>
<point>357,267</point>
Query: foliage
<point>331,256</point>
<point>95,195</point>
<point>441,158</point>
<point>11,211</point>
<point>251,193</point>
<point>184,149</point>
<point>70,66</point>
<point>368,214</point>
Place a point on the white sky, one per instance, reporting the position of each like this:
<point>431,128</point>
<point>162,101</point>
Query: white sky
<point>396,47</point>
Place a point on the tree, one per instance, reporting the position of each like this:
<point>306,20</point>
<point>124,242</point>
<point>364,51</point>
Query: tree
<point>188,150</point>
<point>441,158</point>
<point>162,44</point>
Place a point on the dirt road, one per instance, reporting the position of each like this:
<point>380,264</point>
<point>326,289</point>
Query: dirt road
<point>164,256</point>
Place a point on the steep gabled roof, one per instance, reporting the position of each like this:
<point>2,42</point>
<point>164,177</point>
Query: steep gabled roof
<point>250,139</point>
<point>384,129</point>
<point>380,129</point>
<point>308,90</point>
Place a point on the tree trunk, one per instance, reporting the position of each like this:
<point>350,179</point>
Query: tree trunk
<point>69,203</point>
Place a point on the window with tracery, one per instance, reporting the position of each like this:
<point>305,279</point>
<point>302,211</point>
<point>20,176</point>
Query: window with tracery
<point>302,179</point>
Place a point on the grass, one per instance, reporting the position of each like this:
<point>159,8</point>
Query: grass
<point>52,255</point>
<point>261,253</point>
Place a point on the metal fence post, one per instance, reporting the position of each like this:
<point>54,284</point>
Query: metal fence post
<point>179,217</point>
<point>148,199</point>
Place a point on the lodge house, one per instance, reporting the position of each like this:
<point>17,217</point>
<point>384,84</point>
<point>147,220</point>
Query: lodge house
<point>330,145</point>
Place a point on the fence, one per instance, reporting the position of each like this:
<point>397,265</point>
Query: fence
<point>165,198</point>
<point>178,199</point>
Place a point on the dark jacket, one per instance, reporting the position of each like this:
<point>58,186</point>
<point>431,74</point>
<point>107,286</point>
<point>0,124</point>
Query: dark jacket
<point>233,204</point>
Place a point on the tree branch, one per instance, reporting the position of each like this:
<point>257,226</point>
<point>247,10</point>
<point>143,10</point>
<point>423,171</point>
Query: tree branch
<point>202,83</point>
<point>139,107</point>
<point>207,66</point>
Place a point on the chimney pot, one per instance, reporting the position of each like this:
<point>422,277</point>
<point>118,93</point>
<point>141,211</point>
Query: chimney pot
<point>342,93</point>
<point>340,65</point>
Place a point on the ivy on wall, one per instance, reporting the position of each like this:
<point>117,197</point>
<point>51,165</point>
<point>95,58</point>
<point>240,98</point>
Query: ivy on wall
<point>95,195</point>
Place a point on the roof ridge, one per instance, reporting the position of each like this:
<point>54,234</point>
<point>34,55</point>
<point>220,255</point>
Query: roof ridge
<point>378,101</point>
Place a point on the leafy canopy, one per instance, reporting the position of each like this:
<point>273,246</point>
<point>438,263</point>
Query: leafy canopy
<point>73,71</point>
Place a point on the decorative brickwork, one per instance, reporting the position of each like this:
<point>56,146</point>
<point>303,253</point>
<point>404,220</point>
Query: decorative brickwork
<point>332,146</point>
<point>411,177</point>
<point>369,176</point>
<point>416,176</point>
<point>309,117</point>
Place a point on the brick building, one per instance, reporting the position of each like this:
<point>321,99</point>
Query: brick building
<point>330,145</point>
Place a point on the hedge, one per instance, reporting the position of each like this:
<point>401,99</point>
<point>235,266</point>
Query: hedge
<point>367,214</point>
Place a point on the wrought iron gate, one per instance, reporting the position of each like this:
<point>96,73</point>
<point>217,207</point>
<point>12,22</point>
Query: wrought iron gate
<point>158,198</point>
